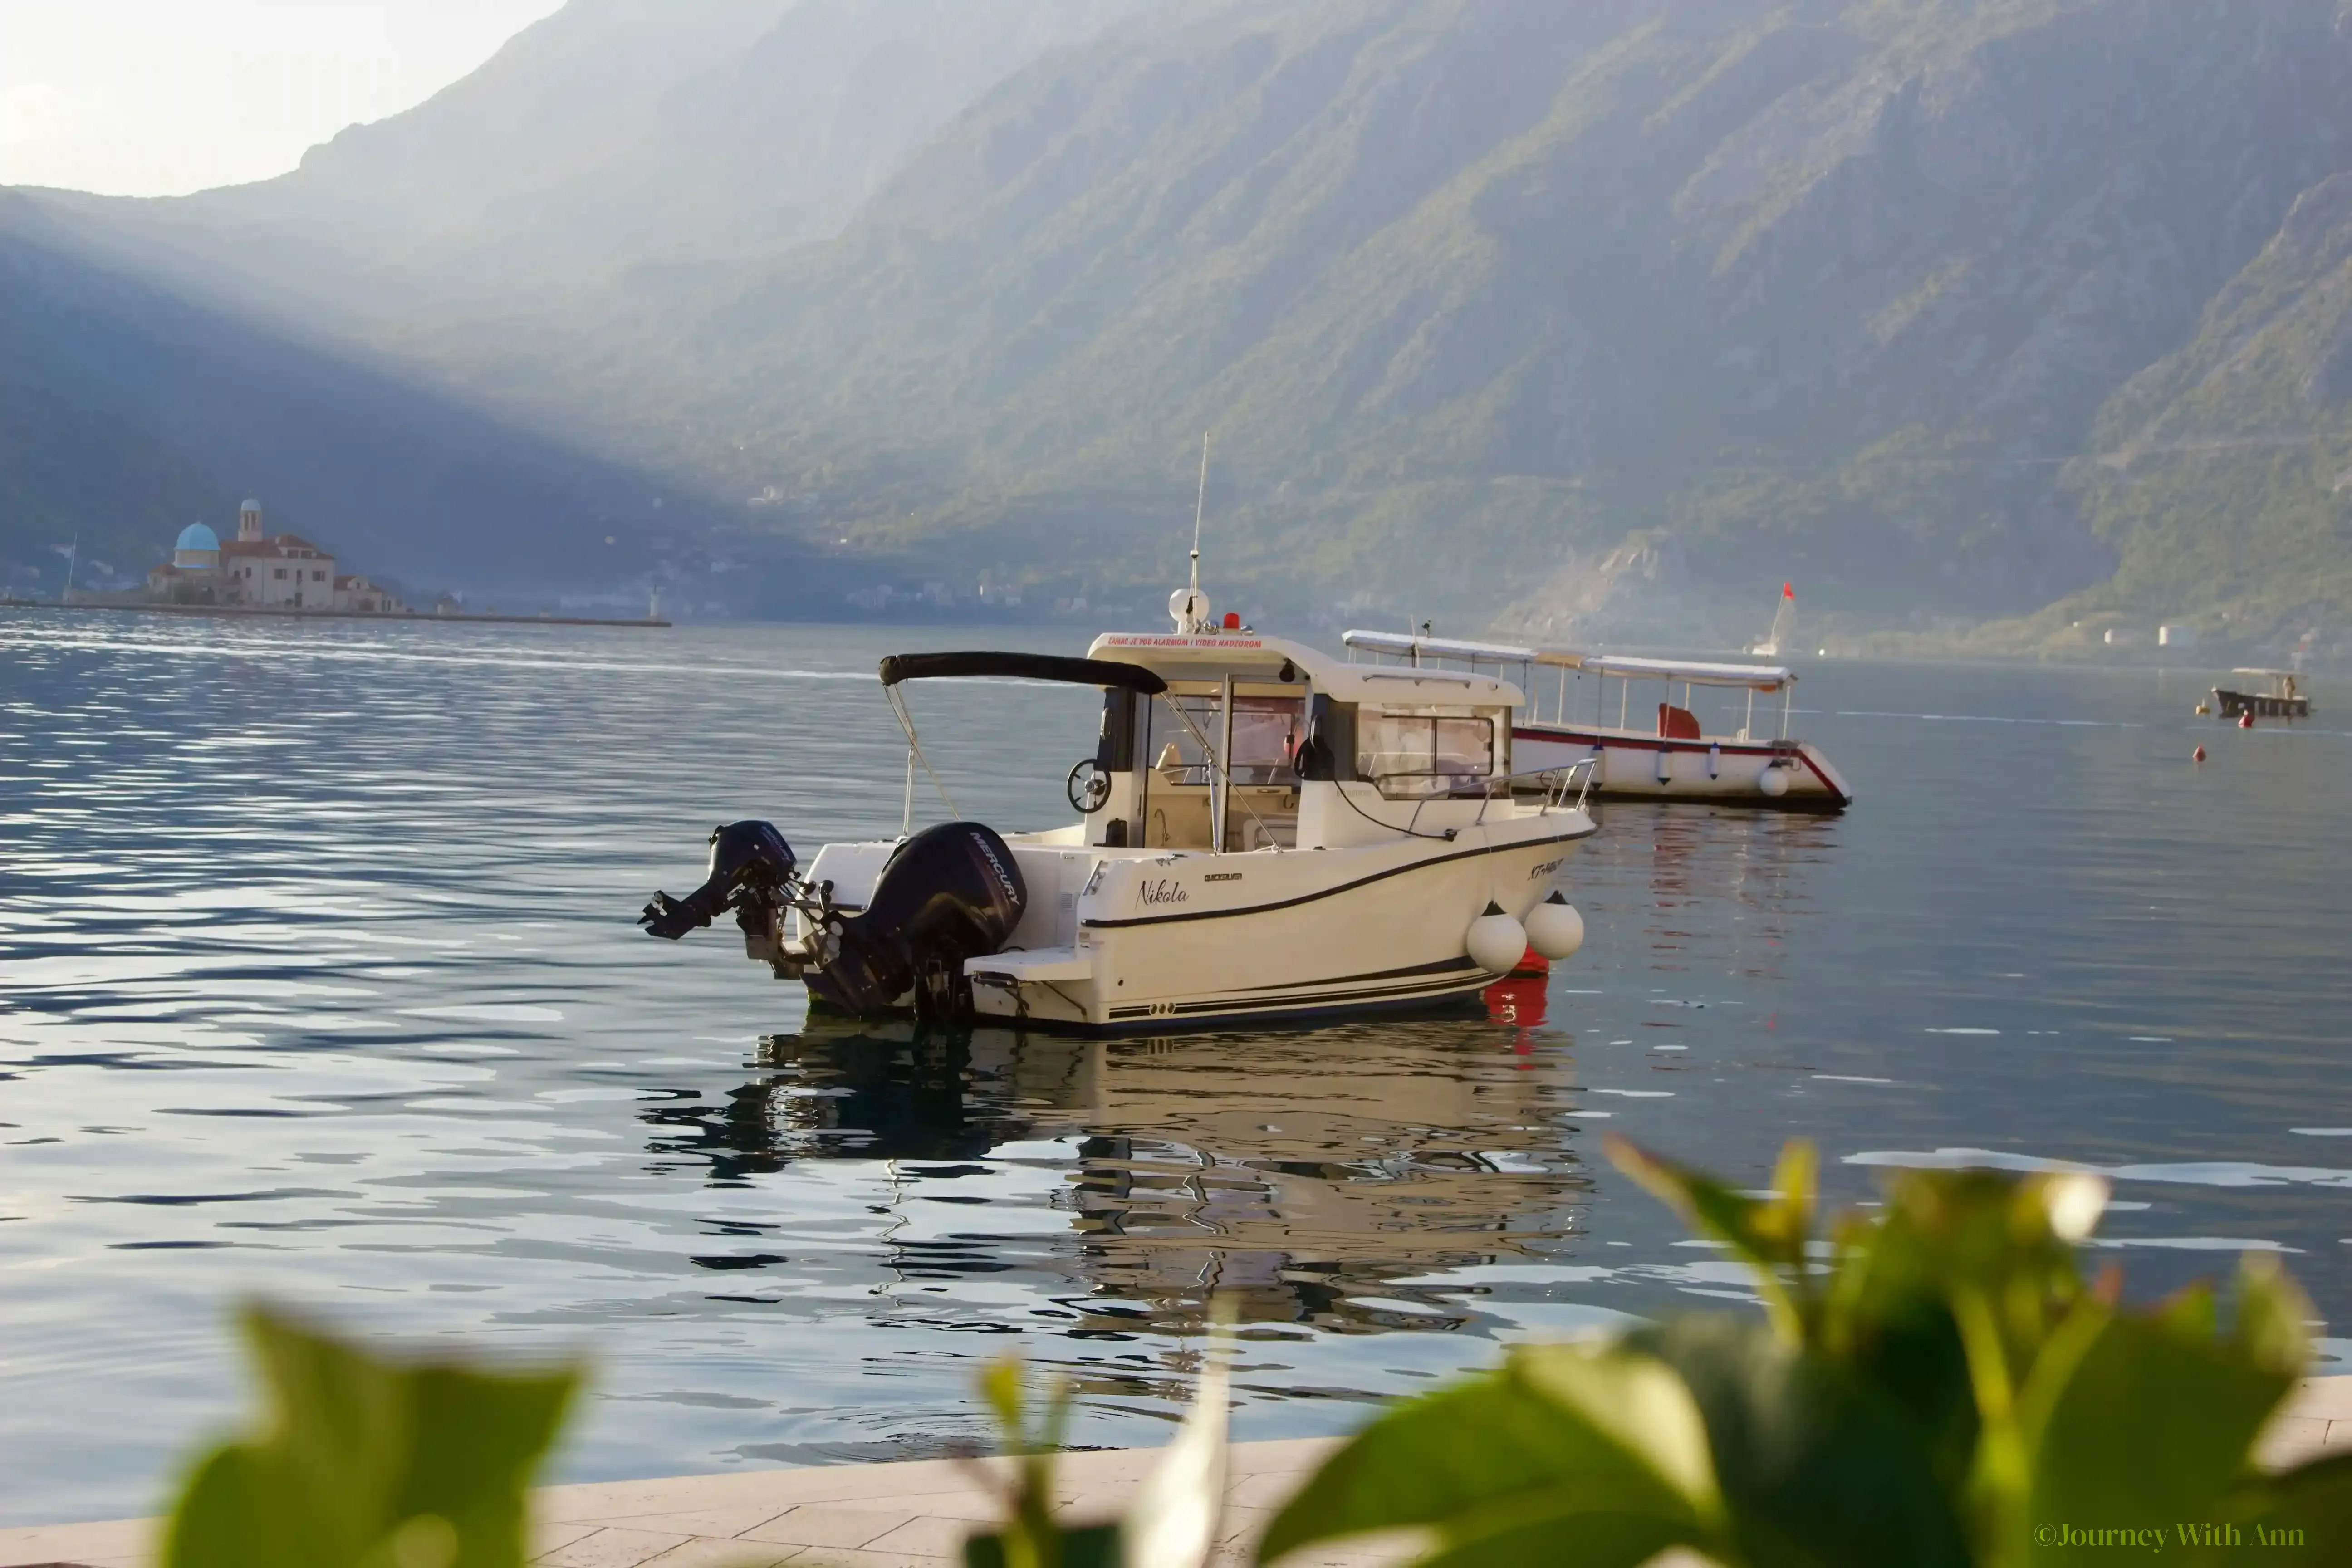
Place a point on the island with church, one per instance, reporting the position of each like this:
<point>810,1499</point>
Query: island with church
<point>261,572</point>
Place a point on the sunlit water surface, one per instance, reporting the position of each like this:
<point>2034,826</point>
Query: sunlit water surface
<point>319,982</point>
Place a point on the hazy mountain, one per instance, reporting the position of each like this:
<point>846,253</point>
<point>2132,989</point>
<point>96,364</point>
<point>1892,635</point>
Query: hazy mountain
<point>2222,474</point>
<point>612,133</point>
<point>1597,317</point>
<point>1618,305</point>
<point>127,412</point>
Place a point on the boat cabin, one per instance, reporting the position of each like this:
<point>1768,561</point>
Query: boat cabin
<point>1230,757</point>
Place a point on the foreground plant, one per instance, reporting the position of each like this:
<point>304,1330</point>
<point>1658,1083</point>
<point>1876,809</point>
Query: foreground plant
<point>1936,1388</point>
<point>365,1462</point>
<point>1172,1523</point>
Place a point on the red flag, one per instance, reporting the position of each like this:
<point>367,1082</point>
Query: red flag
<point>1788,590</point>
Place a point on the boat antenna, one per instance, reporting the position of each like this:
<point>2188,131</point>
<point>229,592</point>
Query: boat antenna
<point>1200,508</point>
<point>1187,605</point>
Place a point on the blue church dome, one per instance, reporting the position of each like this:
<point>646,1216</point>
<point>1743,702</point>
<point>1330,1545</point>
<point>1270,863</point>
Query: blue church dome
<point>196,536</point>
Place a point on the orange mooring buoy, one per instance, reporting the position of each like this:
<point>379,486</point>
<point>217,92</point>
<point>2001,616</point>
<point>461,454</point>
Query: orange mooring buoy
<point>2246,720</point>
<point>2197,756</point>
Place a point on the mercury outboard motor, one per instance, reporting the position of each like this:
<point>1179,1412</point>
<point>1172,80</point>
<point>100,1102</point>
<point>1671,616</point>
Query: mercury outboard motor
<point>750,871</point>
<point>948,893</point>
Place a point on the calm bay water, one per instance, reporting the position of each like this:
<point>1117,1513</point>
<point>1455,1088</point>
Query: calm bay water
<point>318,980</point>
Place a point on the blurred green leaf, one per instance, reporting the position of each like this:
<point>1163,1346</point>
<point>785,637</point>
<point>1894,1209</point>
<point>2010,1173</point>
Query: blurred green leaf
<point>2146,1419</point>
<point>1940,1391</point>
<point>1088,1546</point>
<point>1767,1234</point>
<point>1599,1444</point>
<point>1816,1466</point>
<point>367,1461</point>
<point>2301,1519</point>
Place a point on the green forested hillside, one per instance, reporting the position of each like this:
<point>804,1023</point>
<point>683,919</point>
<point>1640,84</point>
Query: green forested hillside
<point>1615,311</point>
<point>2222,474</point>
<point>1600,319</point>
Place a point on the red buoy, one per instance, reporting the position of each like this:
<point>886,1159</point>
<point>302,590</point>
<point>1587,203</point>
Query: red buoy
<point>2246,720</point>
<point>2197,756</point>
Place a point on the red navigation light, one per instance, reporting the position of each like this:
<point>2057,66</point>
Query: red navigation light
<point>1232,620</point>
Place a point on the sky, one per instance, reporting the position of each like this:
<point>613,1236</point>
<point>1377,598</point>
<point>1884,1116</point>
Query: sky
<point>150,98</point>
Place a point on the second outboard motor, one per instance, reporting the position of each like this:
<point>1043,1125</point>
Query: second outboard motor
<point>750,869</point>
<point>948,893</point>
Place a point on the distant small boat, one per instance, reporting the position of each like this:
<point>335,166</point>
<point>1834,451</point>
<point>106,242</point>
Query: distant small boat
<point>1678,760</point>
<point>2283,700</point>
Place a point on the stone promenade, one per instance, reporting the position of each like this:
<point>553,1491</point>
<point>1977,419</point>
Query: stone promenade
<point>915,1515</point>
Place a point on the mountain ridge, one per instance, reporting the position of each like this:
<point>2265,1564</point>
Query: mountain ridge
<point>1579,322</point>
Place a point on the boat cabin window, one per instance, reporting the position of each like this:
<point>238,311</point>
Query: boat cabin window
<point>1177,784</point>
<point>1412,753</point>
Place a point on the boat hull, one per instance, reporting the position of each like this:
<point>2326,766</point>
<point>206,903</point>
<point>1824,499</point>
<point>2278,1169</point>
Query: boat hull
<point>1636,765</point>
<point>2261,704</point>
<point>1125,939</point>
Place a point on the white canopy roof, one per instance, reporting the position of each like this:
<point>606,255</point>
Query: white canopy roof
<point>1182,656</point>
<point>1757,676</point>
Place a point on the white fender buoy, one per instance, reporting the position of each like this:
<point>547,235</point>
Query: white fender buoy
<point>1774,781</point>
<point>1554,929</point>
<point>1496,942</point>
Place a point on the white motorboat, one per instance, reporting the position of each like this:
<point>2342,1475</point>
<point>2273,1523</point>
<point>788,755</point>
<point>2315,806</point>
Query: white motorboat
<point>1678,759</point>
<point>1263,830</point>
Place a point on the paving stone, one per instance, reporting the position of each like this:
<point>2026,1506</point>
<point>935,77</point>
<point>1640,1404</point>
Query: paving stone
<point>613,1549</point>
<point>132,1538</point>
<point>968,1506</point>
<point>1267,1488</point>
<point>546,1536</point>
<point>2290,1440</point>
<point>714,1521</point>
<point>2329,1397</point>
<point>926,1538</point>
<point>826,1524</point>
<point>719,1553</point>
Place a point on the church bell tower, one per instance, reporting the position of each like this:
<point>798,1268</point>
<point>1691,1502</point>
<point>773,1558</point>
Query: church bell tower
<point>248,520</point>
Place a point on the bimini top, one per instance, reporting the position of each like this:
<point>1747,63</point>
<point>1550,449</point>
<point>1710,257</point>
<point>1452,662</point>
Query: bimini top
<point>900,666</point>
<point>1755,677</point>
<point>1176,654</point>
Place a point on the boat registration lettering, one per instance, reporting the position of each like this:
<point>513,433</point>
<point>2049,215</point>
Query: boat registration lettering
<point>1160,890</point>
<point>1223,877</point>
<point>1546,869</point>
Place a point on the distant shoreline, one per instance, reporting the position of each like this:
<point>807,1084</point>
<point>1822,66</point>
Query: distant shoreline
<point>288,613</point>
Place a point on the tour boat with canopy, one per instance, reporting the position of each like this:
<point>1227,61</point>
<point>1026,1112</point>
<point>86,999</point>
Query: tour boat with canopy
<point>1262,830</point>
<point>1678,759</point>
<point>2280,695</point>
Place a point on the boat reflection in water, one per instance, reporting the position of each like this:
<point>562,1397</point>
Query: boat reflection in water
<point>1299,1169</point>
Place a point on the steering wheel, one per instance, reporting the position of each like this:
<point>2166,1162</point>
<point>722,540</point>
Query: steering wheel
<point>1087,786</point>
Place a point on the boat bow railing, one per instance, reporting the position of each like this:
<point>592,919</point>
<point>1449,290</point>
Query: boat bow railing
<point>1552,784</point>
